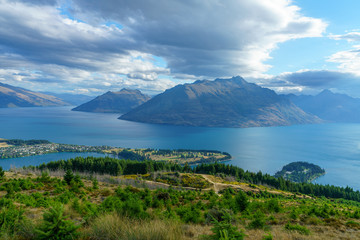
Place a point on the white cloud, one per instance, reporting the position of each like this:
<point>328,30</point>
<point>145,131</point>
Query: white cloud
<point>308,81</point>
<point>351,36</point>
<point>349,60</point>
<point>208,38</point>
<point>197,39</point>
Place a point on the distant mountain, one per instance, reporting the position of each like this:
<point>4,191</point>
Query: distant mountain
<point>220,103</point>
<point>74,99</point>
<point>329,106</point>
<point>11,96</point>
<point>114,102</point>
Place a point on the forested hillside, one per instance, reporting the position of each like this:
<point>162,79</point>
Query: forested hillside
<point>105,198</point>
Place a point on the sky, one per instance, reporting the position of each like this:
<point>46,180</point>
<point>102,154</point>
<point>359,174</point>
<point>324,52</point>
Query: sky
<point>90,47</point>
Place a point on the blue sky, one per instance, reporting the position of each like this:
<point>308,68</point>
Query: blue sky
<point>90,47</point>
<point>311,53</point>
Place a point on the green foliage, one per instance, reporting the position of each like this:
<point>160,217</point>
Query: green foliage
<point>10,217</point>
<point>225,230</point>
<point>258,222</point>
<point>132,204</point>
<point>268,237</point>
<point>279,183</point>
<point>2,173</point>
<point>353,224</point>
<point>273,205</point>
<point>195,181</point>
<point>242,201</point>
<point>190,214</point>
<point>45,177</point>
<point>69,176</point>
<point>95,183</point>
<point>294,214</point>
<point>298,228</point>
<point>131,155</point>
<point>55,226</point>
<point>300,172</point>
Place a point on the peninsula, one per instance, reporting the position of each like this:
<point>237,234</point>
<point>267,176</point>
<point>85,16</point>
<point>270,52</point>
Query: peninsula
<point>300,172</point>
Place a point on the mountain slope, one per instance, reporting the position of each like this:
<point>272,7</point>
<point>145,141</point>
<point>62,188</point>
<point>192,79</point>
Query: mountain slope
<point>11,96</point>
<point>220,103</point>
<point>114,102</point>
<point>330,106</point>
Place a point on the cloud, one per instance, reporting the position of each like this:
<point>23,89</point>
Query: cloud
<point>81,43</point>
<point>351,37</point>
<point>206,38</point>
<point>348,60</point>
<point>313,81</point>
<point>314,78</point>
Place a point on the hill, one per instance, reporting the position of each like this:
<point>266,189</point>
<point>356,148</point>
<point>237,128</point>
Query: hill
<point>11,96</point>
<point>329,106</point>
<point>114,102</point>
<point>220,103</point>
<point>159,200</point>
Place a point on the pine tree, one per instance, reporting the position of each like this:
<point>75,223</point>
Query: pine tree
<point>69,176</point>
<point>2,173</point>
<point>55,227</point>
<point>95,183</point>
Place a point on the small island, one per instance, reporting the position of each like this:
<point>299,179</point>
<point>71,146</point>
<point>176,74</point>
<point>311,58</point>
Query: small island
<point>300,172</point>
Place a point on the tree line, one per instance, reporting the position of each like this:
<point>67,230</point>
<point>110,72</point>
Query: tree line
<point>107,165</point>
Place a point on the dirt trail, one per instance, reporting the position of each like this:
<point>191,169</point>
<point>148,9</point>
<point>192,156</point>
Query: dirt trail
<point>220,186</point>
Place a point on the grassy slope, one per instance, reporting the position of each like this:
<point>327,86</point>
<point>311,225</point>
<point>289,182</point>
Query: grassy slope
<point>324,218</point>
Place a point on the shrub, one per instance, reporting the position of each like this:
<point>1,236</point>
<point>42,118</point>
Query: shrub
<point>2,173</point>
<point>294,214</point>
<point>95,183</point>
<point>353,224</point>
<point>225,230</point>
<point>258,222</point>
<point>55,226</point>
<point>69,176</point>
<point>9,218</point>
<point>134,208</point>
<point>26,230</point>
<point>267,237</point>
<point>273,205</point>
<point>296,227</point>
<point>189,214</point>
<point>242,201</point>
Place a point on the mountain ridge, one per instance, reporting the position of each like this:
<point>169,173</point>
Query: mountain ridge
<point>220,103</point>
<point>114,102</point>
<point>11,96</point>
<point>334,107</point>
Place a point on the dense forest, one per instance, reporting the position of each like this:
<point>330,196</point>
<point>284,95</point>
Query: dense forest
<point>118,167</point>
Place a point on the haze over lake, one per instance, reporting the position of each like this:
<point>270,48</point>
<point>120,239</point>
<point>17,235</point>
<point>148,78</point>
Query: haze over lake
<point>334,147</point>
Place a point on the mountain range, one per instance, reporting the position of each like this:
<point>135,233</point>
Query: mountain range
<point>220,103</point>
<point>114,102</point>
<point>329,106</point>
<point>11,96</point>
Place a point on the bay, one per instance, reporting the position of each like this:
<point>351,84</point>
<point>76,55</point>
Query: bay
<point>334,147</point>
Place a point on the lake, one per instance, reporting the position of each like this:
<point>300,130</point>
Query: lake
<point>334,147</point>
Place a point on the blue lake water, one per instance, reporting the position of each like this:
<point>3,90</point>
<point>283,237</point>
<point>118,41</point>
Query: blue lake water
<point>334,147</point>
